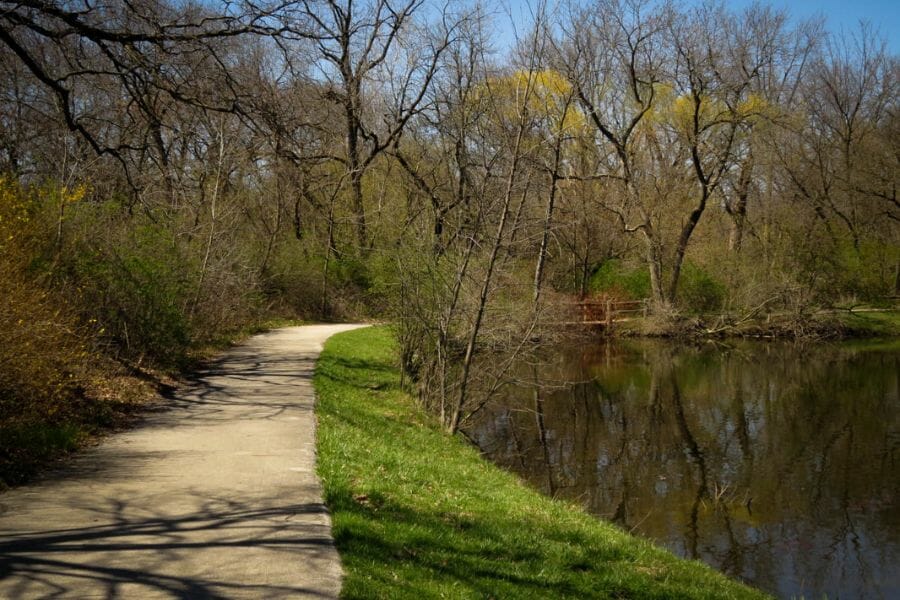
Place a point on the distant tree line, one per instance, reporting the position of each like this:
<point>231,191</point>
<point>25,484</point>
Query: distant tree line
<point>186,168</point>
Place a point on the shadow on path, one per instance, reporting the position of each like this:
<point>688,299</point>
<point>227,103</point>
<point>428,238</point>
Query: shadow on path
<point>58,562</point>
<point>213,496</point>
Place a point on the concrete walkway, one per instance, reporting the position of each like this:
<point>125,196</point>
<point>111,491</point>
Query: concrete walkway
<point>215,496</point>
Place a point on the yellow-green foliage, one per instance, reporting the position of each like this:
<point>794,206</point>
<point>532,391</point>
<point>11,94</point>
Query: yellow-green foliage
<point>678,110</point>
<point>43,351</point>
<point>543,94</point>
<point>42,355</point>
<point>55,386</point>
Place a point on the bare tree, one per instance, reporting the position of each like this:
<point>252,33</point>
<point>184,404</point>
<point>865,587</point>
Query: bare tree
<point>671,96</point>
<point>563,125</point>
<point>761,39</point>
<point>613,54</point>
<point>139,46</point>
<point>355,43</point>
<point>435,152</point>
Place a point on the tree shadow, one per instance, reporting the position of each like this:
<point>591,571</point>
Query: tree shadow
<point>245,387</point>
<point>185,555</point>
<point>112,523</point>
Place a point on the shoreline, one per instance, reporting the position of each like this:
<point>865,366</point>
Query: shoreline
<point>834,325</point>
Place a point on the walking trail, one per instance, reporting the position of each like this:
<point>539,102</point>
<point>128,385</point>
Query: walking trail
<point>216,496</point>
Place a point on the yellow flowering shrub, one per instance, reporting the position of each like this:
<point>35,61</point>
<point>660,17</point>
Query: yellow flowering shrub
<point>14,213</point>
<point>43,351</point>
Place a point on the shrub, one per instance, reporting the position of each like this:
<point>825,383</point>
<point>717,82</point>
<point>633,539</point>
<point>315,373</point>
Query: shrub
<point>45,354</point>
<point>698,290</point>
<point>620,279</point>
<point>135,284</point>
<point>42,357</point>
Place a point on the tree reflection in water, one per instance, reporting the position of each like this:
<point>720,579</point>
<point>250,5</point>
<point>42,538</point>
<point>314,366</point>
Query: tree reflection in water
<point>778,464</point>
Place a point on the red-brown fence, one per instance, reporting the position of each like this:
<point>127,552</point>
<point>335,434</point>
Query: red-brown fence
<point>606,311</point>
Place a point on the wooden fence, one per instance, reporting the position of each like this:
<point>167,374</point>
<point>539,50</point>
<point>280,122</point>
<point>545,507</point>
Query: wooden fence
<point>606,311</point>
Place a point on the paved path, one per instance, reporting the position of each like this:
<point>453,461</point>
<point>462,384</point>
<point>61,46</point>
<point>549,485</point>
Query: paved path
<point>214,497</point>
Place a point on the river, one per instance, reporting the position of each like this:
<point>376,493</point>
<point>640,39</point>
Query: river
<point>776,463</point>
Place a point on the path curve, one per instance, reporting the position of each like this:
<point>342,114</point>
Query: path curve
<point>215,496</point>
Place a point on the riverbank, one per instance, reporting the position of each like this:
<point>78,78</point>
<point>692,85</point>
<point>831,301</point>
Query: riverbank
<point>419,514</point>
<point>823,325</point>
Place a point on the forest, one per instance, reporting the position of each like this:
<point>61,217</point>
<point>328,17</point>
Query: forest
<point>172,173</point>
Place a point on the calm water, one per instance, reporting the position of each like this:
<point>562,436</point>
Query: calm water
<point>777,464</point>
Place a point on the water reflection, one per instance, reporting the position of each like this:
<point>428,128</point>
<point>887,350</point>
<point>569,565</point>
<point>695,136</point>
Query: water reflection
<point>777,464</point>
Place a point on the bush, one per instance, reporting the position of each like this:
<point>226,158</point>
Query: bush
<point>699,291</point>
<point>48,357</point>
<point>619,279</point>
<point>293,280</point>
<point>42,352</point>
<point>866,270</point>
<point>130,276</point>
<point>138,291</point>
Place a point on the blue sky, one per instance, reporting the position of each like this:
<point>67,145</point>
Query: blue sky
<point>883,14</point>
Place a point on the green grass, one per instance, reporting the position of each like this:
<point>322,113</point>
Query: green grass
<point>419,514</point>
<point>872,324</point>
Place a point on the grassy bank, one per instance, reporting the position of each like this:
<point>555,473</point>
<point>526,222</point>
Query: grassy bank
<point>878,324</point>
<point>822,325</point>
<point>418,514</point>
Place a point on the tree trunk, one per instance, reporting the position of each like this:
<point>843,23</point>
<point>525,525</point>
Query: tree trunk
<point>683,241</point>
<point>897,279</point>
<point>545,237</point>
<point>654,263</point>
<point>355,163</point>
<point>738,210</point>
<point>736,235</point>
<point>359,212</point>
<point>438,245</point>
<point>462,396</point>
<point>551,200</point>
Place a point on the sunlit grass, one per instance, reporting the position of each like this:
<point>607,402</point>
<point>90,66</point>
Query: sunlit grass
<point>418,514</point>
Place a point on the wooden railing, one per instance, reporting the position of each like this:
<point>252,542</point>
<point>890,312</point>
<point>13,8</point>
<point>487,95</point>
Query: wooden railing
<point>606,311</point>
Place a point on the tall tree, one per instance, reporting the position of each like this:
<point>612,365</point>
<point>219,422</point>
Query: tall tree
<point>358,43</point>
